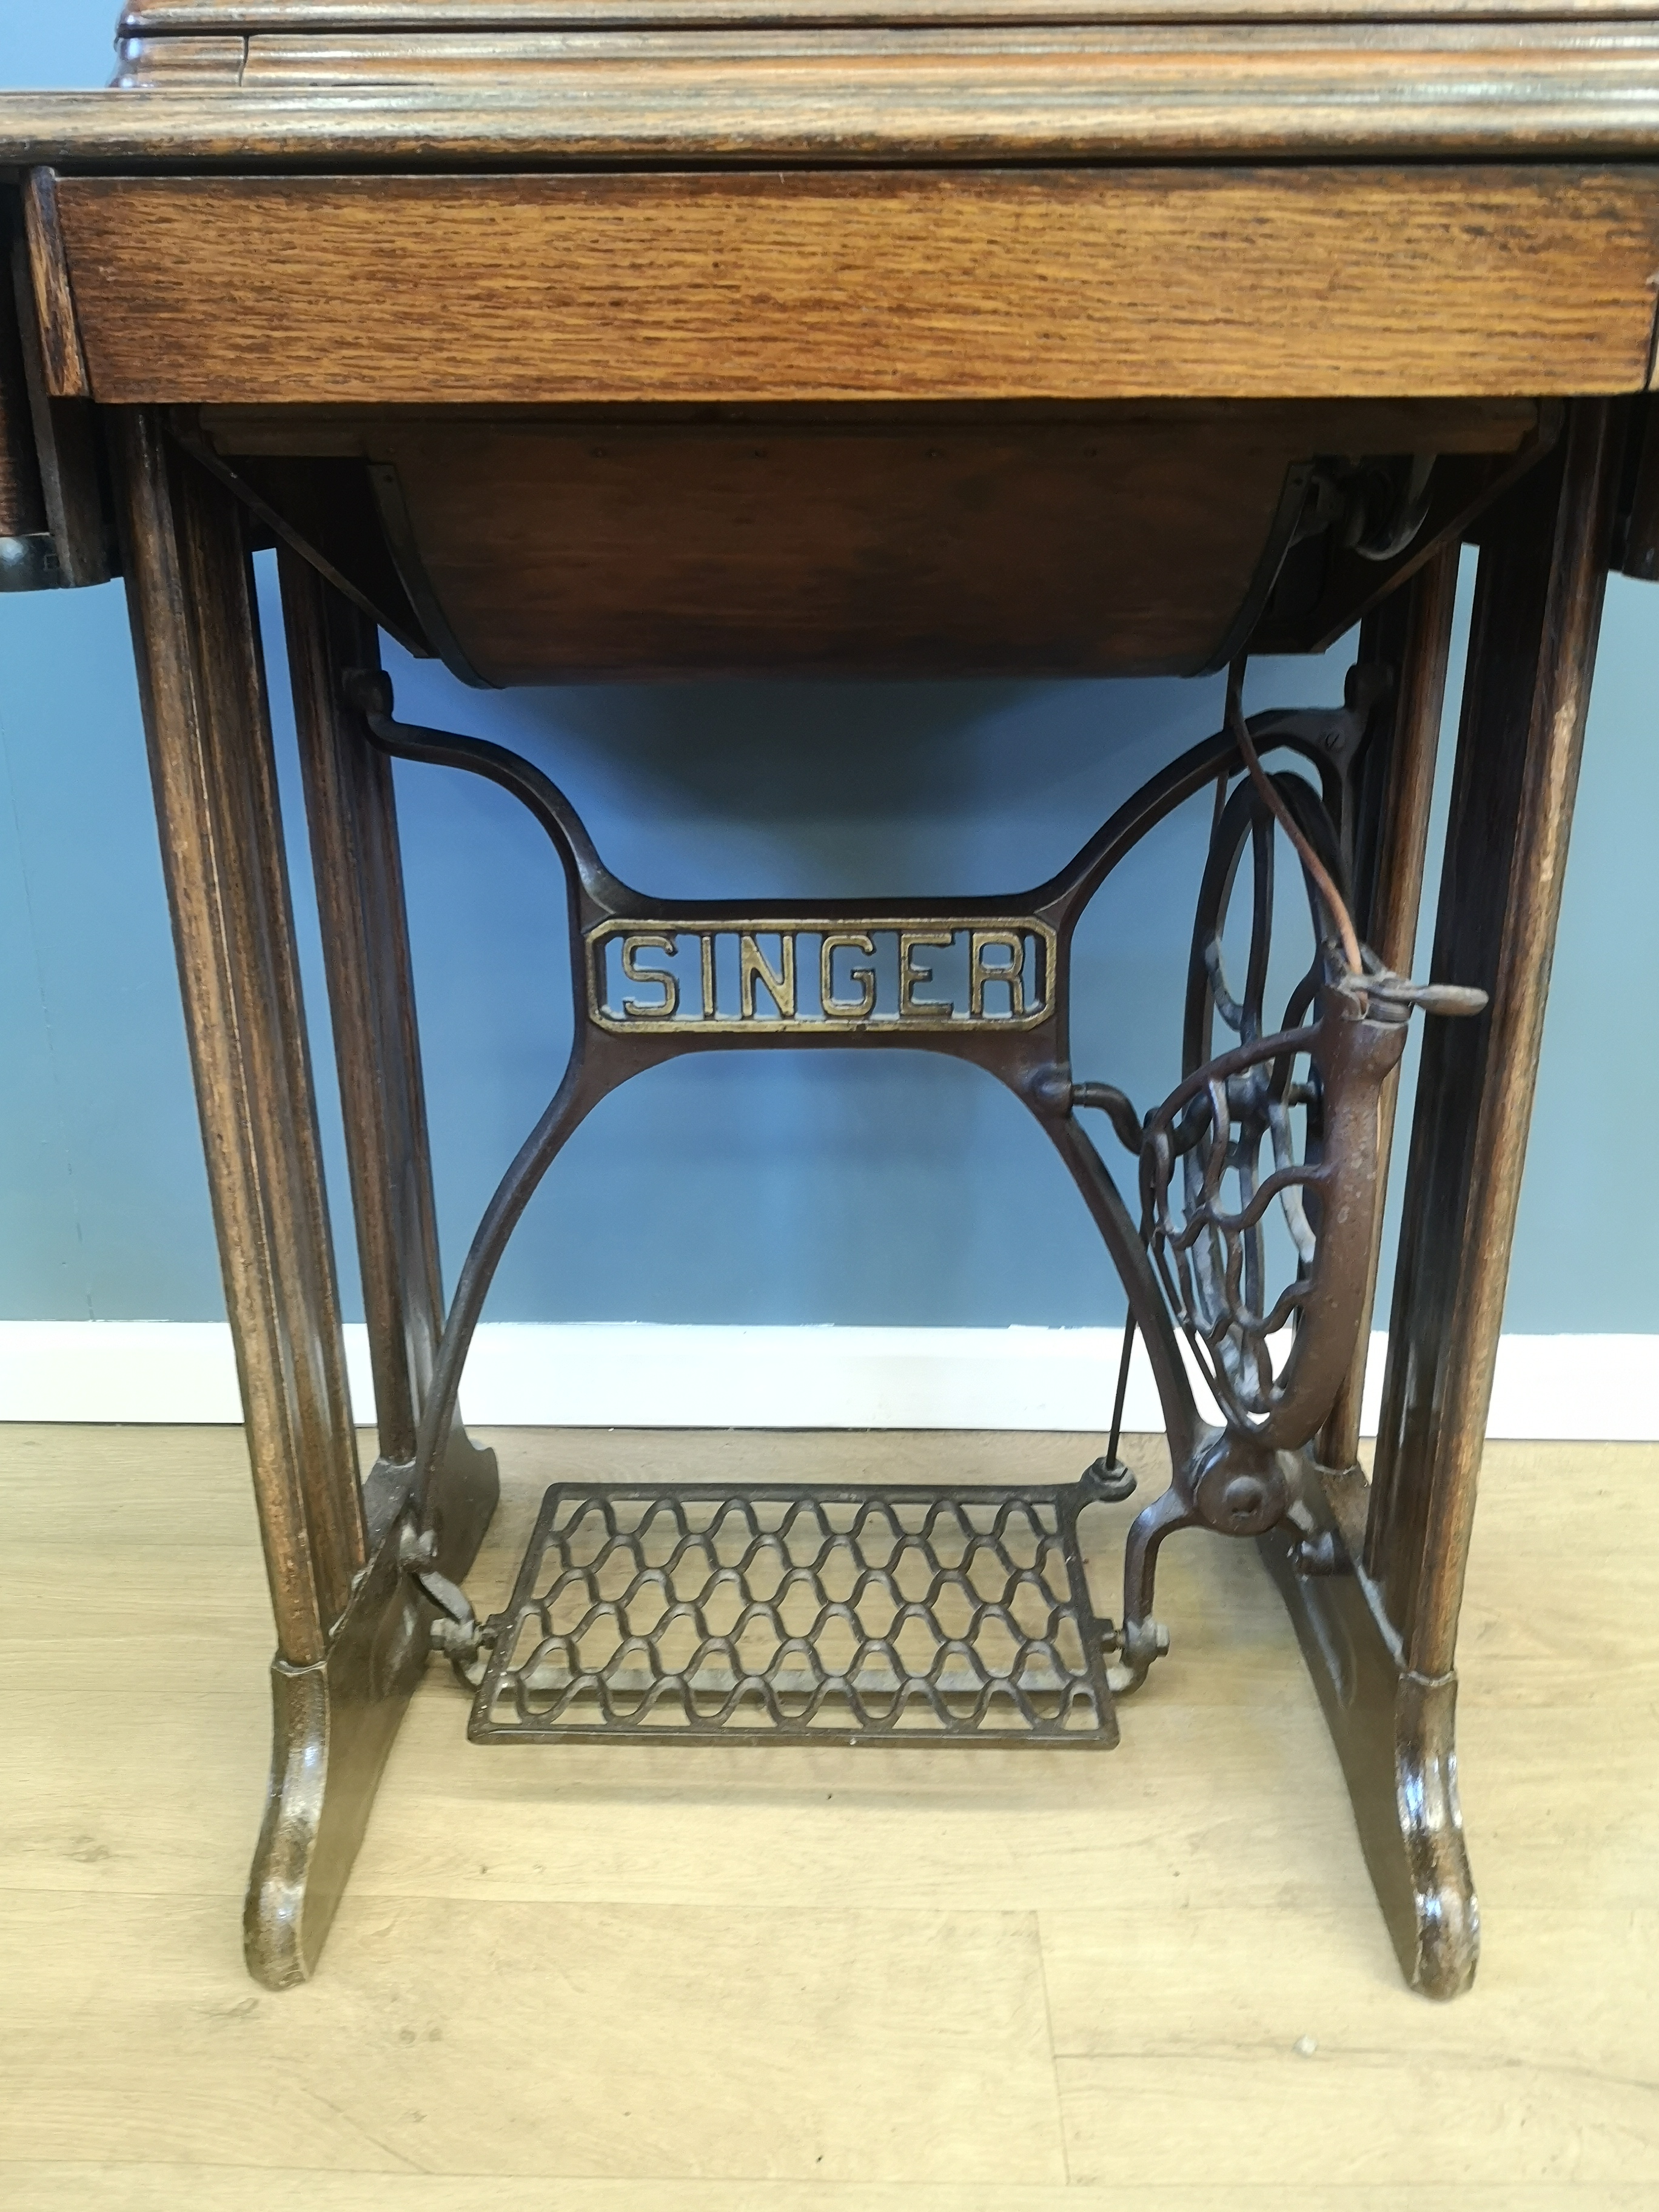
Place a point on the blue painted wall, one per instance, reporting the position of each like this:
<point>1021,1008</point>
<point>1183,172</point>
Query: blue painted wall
<point>873,1188</point>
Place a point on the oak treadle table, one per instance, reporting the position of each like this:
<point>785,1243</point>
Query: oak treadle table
<point>605,339</point>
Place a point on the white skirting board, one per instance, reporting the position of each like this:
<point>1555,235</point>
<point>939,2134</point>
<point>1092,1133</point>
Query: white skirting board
<point>637,1374</point>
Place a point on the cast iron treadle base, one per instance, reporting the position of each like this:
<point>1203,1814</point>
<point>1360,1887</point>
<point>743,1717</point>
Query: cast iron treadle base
<point>785,1613</point>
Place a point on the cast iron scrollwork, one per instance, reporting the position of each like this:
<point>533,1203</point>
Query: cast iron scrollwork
<point>1244,1139</point>
<point>1271,1123</point>
<point>1264,1123</point>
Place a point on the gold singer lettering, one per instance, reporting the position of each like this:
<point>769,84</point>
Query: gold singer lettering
<point>753,968</point>
<point>874,975</point>
<point>911,941</point>
<point>1009,972</point>
<point>652,1009</point>
<point>847,1010</point>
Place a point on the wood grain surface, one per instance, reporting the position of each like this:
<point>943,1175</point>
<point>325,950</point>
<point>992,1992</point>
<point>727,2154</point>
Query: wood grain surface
<point>55,467</point>
<point>60,342</point>
<point>351,811</point>
<point>1534,629</point>
<point>1249,283</point>
<point>174,60</point>
<point>1070,539</point>
<point>491,14</point>
<point>22,510</point>
<point>1214,95</point>
<point>200,683</point>
<point>608,1979</point>
<point>586,552</point>
<point>1234,59</point>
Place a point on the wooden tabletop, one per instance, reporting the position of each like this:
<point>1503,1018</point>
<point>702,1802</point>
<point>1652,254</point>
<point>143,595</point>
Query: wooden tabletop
<point>517,82</point>
<point>379,206</point>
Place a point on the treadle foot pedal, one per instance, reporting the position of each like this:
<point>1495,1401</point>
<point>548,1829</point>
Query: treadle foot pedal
<point>787,1613</point>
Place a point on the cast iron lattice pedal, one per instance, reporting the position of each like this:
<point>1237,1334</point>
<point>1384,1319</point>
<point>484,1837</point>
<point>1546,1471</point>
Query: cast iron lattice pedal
<point>786,1614</point>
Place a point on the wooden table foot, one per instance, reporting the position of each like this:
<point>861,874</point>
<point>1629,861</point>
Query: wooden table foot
<point>333,1725</point>
<point>1394,1733</point>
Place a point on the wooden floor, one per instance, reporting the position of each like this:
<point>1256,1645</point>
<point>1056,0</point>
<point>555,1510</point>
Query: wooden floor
<point>663,1980</point>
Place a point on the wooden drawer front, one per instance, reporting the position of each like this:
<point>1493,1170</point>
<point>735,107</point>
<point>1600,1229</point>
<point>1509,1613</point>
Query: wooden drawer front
<point>966,285</point>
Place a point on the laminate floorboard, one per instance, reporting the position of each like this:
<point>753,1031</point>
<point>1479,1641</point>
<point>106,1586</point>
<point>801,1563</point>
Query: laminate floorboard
<point>643,1979</point>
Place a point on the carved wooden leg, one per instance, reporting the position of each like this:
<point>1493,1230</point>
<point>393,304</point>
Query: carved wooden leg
<point>352,813</point>
<point>351,1641</point>
<point>1381,1639</point>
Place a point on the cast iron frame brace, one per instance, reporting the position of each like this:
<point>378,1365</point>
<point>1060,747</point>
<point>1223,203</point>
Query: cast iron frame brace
<point>1199,1264</point>
<point>1372,1578</point>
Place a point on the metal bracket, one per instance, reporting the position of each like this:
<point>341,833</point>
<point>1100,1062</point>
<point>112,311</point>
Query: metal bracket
<point>456,1633</point>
